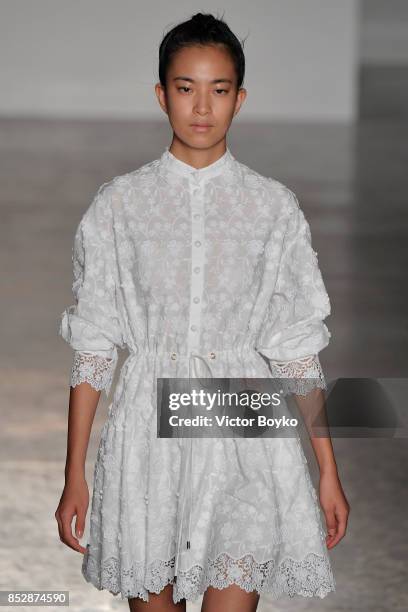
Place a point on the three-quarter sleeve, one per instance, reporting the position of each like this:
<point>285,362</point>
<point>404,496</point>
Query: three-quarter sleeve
<point>294,331</point>
<point>91,325</point>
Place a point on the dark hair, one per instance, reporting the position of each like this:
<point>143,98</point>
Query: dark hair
<point>201,29</point>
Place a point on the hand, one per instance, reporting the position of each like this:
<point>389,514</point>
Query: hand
<point>335,507</point>
<point>74,502</point>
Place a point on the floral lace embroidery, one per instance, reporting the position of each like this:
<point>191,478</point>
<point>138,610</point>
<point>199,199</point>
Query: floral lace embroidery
<point>94,369</point>
<point>301,375</point>
<point>310,576</point>
<point>256,284</point>
<point>91,324</point>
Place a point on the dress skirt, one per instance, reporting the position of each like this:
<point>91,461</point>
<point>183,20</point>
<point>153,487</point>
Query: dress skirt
<point>254,518</point>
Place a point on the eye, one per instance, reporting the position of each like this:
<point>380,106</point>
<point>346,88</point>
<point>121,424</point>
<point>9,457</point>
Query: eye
<point>183,87</point>
<point>222,90</point>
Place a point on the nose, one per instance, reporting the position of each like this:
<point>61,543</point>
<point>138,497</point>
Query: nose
<point>202,103</point>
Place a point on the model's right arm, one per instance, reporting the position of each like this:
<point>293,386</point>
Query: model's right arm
<point>83,402</point>
<point>91,326</point>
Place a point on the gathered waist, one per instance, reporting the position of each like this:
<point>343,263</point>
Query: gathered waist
<point>186,353</point>
<point>180,346</point>
<point>200,361</point>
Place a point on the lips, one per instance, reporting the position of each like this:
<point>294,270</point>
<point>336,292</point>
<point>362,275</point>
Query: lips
<point>200,128</point>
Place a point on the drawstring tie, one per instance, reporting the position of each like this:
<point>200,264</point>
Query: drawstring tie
<point>187,461</point>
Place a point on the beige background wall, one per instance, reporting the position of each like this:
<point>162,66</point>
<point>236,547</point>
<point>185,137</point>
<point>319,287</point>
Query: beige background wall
<point>90,58</point>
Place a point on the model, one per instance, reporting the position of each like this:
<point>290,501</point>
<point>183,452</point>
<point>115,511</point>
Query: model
<point>197,265</point>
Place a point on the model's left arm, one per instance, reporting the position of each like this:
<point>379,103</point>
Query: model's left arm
<point>293,336</point>
<point>294,331</point>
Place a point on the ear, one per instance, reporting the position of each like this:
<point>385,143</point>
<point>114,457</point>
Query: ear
<point>241,96</point>
<point>161,96</point>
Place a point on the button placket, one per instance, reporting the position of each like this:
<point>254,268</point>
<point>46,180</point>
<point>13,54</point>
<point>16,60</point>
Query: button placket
<point>197,260</point>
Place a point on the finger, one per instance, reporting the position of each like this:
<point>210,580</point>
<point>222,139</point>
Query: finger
<point>80,523</point>
<point>332,543</point>
<point>342,518</point>
<point>341,529</point>
<point>331,522</point>
<point>67,535</point>
<point>73,543</point>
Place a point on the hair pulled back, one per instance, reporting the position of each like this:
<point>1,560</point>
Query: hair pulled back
<point>202,29</point>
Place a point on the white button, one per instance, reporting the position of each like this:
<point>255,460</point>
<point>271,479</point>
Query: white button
<point>197,269</point>
<point>193,327</point>
<point>174,355</point>
<point>196,300</point>
<point>212,355</point>
<point>197,216</point>
<point>197,243</point>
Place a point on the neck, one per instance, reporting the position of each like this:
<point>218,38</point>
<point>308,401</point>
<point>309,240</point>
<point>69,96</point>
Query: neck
<point>197,157</point>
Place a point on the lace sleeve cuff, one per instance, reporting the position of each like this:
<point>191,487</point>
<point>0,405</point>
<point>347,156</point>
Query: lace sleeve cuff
<point>94,369</point>
<point>300,376</point>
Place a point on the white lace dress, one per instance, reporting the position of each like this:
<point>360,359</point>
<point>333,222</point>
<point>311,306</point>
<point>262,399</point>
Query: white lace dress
<point>190,269</point>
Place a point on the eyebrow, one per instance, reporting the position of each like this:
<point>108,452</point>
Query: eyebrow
<point>190,80</point>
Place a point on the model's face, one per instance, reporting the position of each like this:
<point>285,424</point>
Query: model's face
<point>201,96</point>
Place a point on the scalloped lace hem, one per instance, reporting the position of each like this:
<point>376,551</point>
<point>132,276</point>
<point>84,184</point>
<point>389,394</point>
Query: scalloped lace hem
<point>312,576</point>
<point>300,376</point>
<point>94,369</point>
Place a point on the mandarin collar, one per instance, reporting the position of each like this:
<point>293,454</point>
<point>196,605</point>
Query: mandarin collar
<point>170,164</point>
